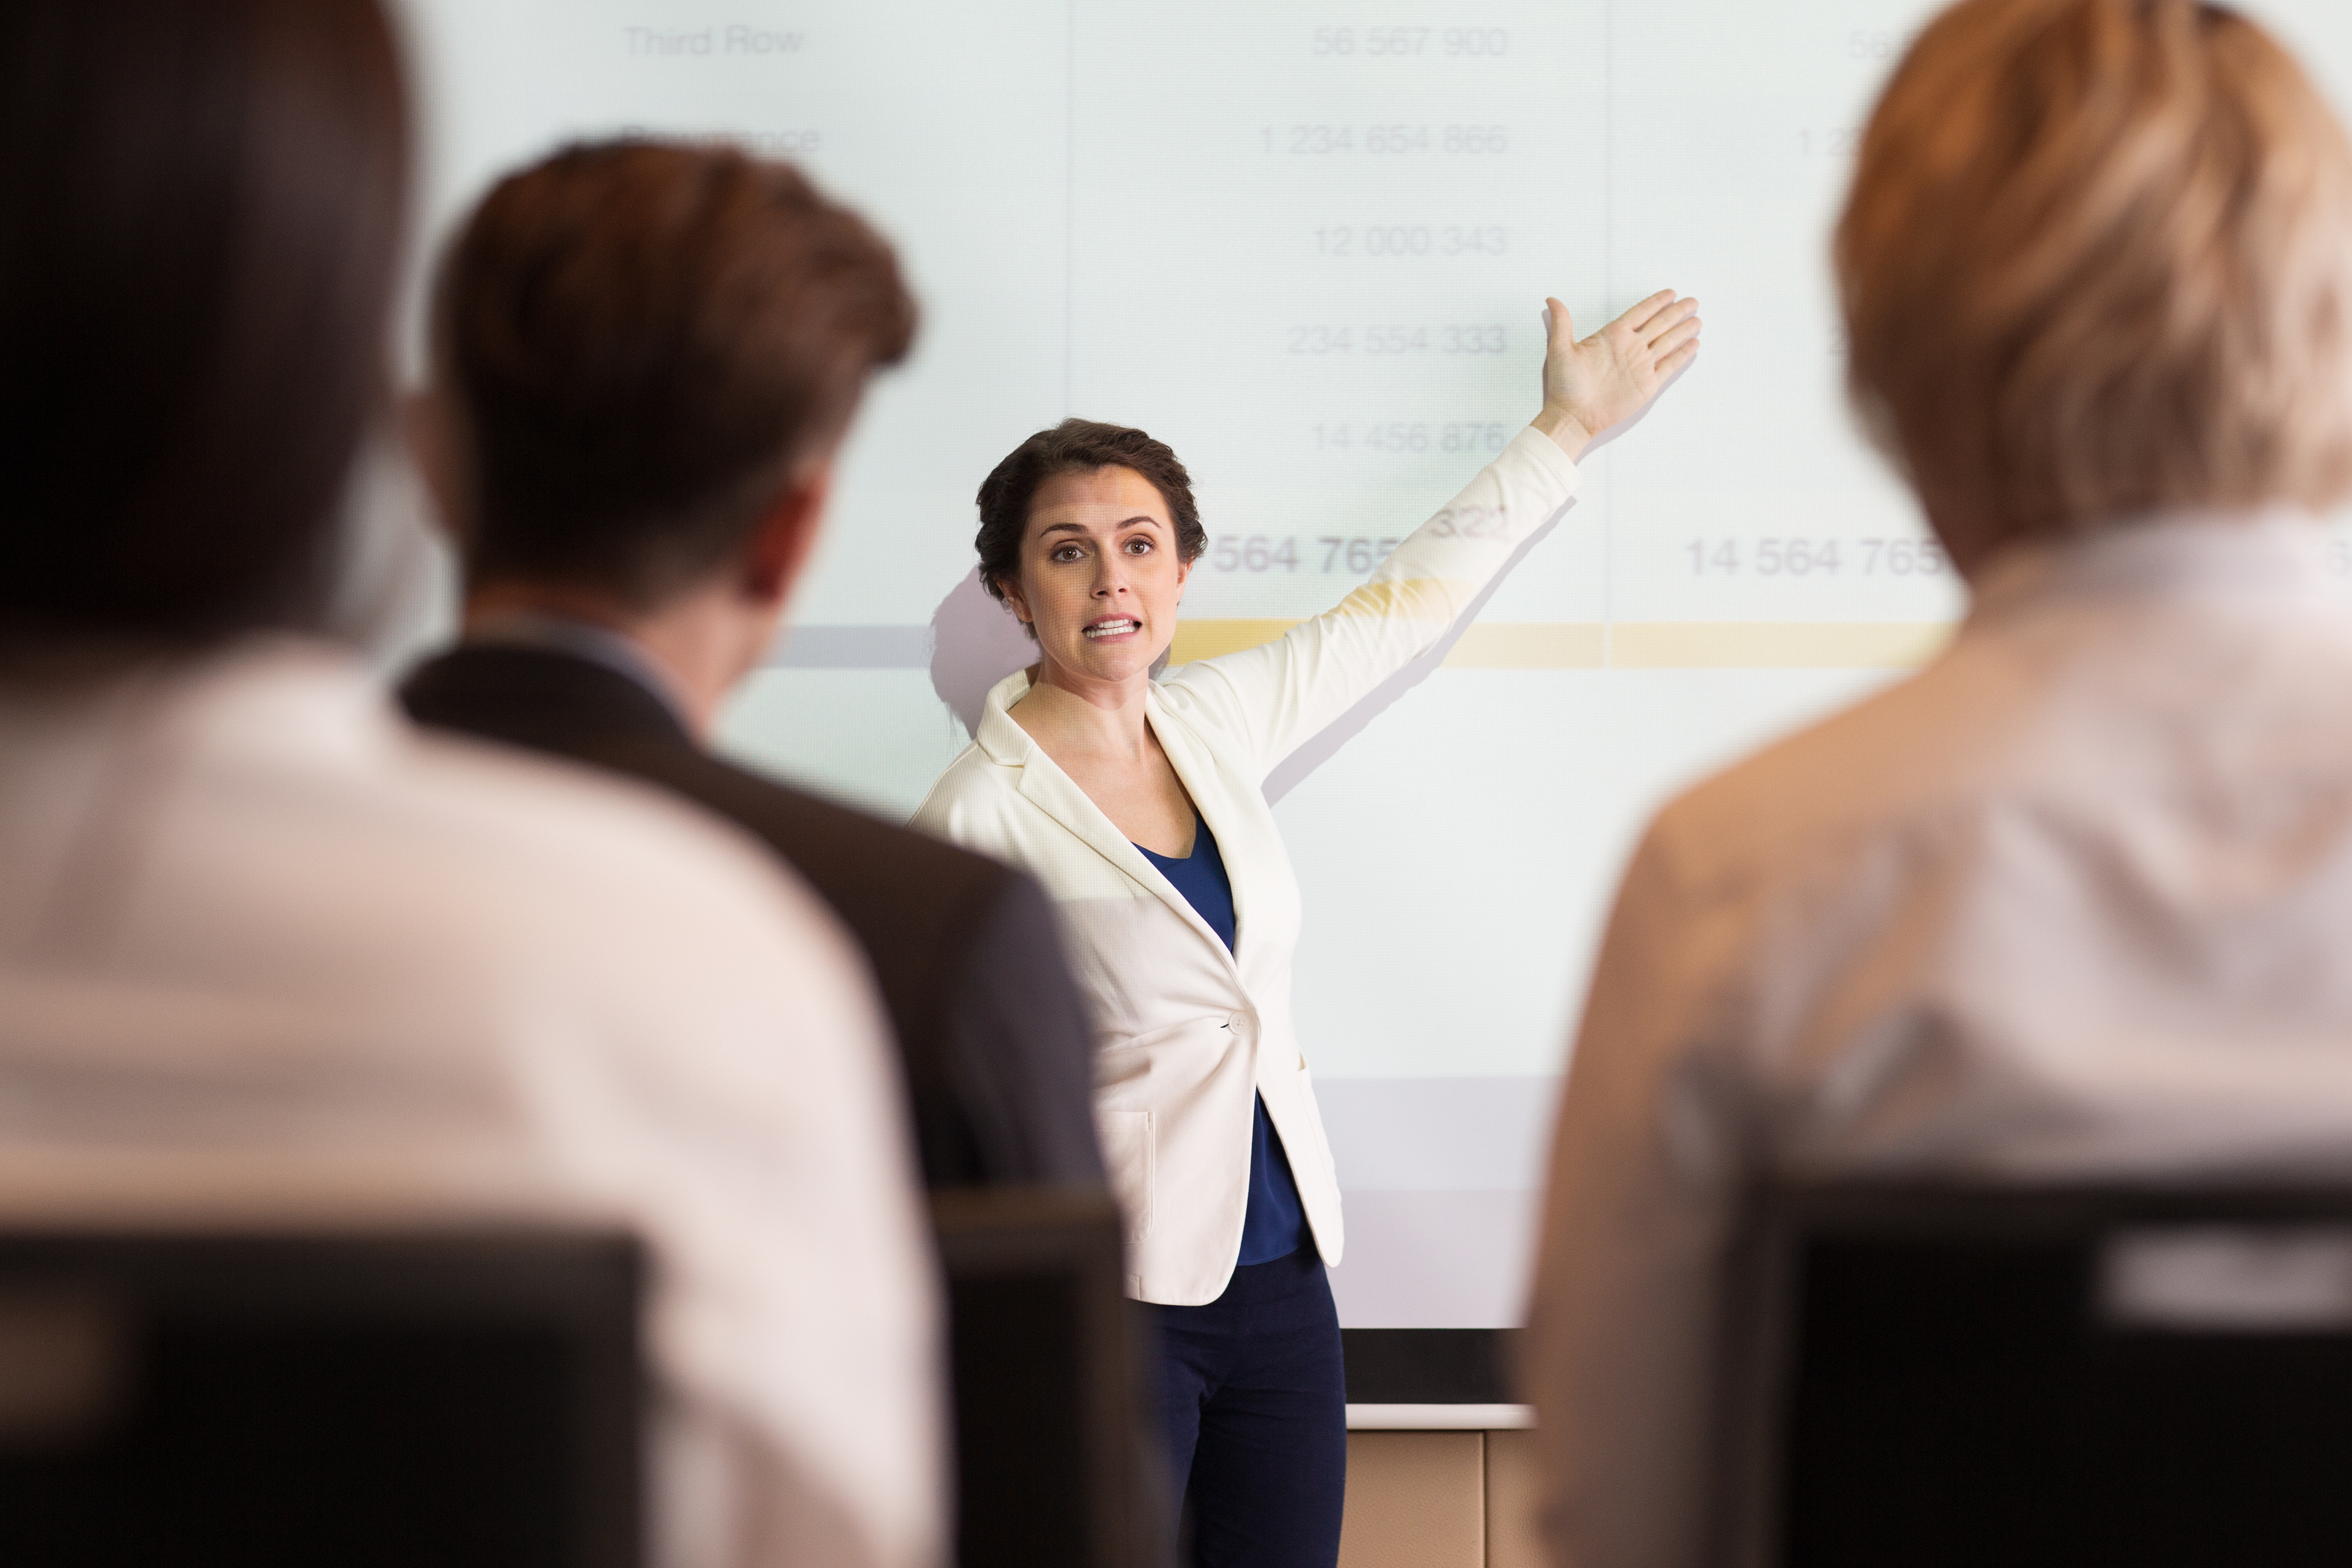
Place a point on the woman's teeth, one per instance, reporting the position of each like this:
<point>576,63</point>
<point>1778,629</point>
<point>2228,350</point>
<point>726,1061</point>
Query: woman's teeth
<point>1112,628</point>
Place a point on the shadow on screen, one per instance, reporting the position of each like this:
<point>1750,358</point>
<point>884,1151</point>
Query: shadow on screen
<point>975,642</point>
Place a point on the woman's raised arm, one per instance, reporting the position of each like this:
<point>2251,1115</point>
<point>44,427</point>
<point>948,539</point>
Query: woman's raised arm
<point>1277,696</point>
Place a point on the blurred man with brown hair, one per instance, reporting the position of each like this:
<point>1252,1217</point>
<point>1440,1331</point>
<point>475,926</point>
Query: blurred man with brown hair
<point>647,356</point>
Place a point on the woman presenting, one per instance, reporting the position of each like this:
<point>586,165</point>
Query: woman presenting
<point>1140,805</point>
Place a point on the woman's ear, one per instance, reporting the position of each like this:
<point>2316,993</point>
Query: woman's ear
<point>1009,589</point>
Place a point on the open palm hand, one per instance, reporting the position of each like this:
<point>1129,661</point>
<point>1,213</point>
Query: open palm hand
<point>1609,377</point>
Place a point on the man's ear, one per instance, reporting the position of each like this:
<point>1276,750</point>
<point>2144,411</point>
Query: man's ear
<point>428,428</point>
<point>781,546</point>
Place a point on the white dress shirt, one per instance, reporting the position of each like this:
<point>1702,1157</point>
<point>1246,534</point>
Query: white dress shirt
<point>270,957</point>
<point>1191,1034</point>
<point>2073,902</point>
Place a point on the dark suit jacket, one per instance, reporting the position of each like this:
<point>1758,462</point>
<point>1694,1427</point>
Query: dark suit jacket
<point>999,1057</point>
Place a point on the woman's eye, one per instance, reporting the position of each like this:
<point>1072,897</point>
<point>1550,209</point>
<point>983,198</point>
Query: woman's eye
<point>1066,552</point>
<point>1139,547</point>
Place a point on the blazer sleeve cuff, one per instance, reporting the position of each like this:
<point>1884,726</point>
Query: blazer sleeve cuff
<point>1545,453</point>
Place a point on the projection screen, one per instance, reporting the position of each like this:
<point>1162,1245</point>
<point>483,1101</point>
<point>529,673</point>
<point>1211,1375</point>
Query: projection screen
<point>1306,245</point>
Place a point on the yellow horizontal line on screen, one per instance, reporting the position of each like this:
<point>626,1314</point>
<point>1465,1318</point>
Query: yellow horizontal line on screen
<point>1635,644</point>
<point>1776,644</point>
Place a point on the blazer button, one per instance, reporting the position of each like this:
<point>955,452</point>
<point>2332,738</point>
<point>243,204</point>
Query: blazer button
<point>1239,1023</point>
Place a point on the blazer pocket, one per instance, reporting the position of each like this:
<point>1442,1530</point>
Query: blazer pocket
<point>1126,1153</point>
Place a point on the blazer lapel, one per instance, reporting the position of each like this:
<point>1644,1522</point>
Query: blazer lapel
<point>1200,782</point>
<point>1058,796</point>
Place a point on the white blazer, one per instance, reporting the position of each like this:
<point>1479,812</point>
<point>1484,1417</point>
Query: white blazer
<point>1189,1033</point>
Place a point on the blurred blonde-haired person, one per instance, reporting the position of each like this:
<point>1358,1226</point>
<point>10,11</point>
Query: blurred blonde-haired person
<point>2073,900</point>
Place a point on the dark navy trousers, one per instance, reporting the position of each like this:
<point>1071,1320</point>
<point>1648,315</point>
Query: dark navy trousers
<point>1255,1406</point>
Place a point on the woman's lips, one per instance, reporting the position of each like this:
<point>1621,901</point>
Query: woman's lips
<point>1111,628</point>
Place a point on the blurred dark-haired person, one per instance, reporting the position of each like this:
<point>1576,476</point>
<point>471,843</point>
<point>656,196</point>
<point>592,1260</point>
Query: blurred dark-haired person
<point>1141,804</point>
<point>267,955</point>
<point>2072,903</point>
<point>647,357</point>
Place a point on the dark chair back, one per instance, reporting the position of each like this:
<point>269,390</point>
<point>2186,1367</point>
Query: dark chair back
<point>2150,1377</point>
<point>1055,1463</point>
<point>276,1401</point>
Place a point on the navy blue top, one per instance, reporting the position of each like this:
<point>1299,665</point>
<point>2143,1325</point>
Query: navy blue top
<point>1276,1224</point>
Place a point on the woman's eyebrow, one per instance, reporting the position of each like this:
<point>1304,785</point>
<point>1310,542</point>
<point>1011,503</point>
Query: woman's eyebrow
<point>1081,527</point>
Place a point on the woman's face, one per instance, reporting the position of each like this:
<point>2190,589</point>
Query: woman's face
<point>1100,576</point>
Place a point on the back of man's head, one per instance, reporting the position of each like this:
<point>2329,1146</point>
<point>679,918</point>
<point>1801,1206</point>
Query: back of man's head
<point>200,215</point>
<point>645,344</point>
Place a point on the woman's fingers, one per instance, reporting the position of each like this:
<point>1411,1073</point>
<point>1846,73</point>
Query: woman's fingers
<point>1674,336</point>
<point>1666,321</point>
<point>1640,316</point>
<point>1674,362</point>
